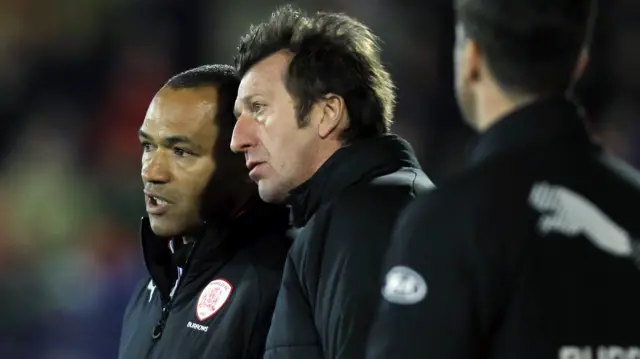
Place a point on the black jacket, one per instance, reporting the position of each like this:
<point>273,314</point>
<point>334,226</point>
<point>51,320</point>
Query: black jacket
<point>224,301</point>
<point>531,253</point>
<point>345,215</point>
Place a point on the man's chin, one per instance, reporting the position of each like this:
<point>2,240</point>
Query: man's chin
<point>269,194</point>
<point>162,228</point>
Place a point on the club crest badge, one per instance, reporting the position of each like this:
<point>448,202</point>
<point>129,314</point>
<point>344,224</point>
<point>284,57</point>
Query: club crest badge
<point>212,298</point>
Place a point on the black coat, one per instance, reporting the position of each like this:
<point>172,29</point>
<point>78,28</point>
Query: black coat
<point>531,253</point>
<point>345,214</point>
<point>224,301</point>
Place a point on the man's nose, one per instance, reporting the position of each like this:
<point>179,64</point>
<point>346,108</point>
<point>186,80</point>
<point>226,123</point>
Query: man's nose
<point>243,135</point>
<point>155,168</point>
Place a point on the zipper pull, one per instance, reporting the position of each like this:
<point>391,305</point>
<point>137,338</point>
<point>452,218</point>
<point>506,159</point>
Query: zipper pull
<point>156,333</point>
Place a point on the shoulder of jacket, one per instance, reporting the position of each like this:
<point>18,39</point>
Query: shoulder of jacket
<point>362,211</point>
<point>406,176</point>
<point>483,195</point>
<point>142,294</point>
<point>391,188</point>
<point>144,284</point>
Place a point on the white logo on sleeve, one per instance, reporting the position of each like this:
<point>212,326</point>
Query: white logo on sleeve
<point>151,287</point>
<point>404,286</point>
<point>569,213</point>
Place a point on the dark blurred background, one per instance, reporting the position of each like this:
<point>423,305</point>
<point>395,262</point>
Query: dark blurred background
<point>76,77</point>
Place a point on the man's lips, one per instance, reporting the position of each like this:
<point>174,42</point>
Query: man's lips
<point>156,204</point>
<point>253,164</point>
<point>254,168</point>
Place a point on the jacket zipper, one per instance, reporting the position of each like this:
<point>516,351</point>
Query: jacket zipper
<point>156,332</point>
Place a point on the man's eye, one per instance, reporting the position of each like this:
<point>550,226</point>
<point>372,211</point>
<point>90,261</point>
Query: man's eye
<point>146,146</point>
<point>181,152</point>
<point>257,107</point>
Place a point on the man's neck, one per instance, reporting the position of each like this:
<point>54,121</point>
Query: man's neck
<point>194,234</point>
<point>240,205</point>
<point>495,105</point>
<point>320,157</point>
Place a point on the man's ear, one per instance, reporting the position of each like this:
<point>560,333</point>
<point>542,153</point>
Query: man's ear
<point>472,58</point>
<point>332,109</point>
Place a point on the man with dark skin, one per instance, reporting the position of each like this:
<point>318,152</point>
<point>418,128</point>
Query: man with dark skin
<point>214,251</point>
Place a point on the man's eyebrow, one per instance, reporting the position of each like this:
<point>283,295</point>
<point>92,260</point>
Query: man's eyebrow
<point>170,140</point>
<point>246,100</point>
<point>144,135</point>
<point>174,140</point>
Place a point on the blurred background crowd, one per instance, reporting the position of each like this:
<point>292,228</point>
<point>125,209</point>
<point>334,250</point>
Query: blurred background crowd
<point>76,77</point>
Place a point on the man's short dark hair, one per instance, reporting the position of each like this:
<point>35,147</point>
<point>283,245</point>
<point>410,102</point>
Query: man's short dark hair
<point>530,46</point>
<point>333,53</point>
<point>221,77</point>
<point>230,180</point>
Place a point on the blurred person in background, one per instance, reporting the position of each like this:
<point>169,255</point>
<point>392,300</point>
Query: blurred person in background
<point>314,110</point>
<point>533,251</point>
<point>214,251</point>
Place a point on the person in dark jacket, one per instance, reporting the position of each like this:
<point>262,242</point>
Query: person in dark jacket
<point>532,252</point>
<point>313,114</point>
<point>215,252</point>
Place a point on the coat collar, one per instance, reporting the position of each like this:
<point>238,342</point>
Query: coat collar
<point>360,161</point>
<point>215,246</point>
<point>547,120</point>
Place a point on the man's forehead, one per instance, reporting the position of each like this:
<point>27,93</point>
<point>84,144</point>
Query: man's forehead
<point>191,100</point>
<point>262,77</point>
<point>256,83</point>
<point>186,110</point>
